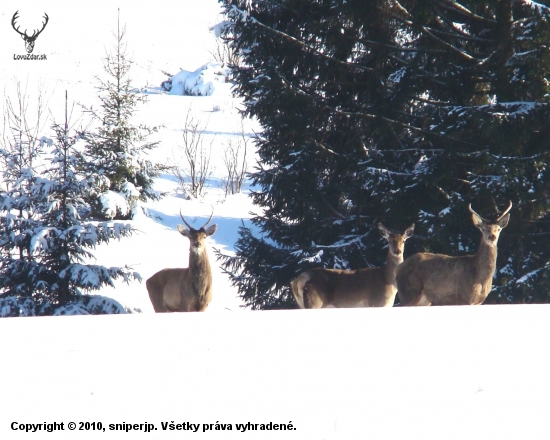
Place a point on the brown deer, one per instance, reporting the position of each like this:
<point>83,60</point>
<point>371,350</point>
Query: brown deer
<point>426,279</point>
<point>188,289</point>
<point>370,287</point>
<point>29,39</point>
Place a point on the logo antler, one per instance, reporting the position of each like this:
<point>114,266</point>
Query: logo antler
<point>29,40</point>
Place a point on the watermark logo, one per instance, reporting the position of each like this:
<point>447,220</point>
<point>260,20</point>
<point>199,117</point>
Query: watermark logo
<point>29,39</point>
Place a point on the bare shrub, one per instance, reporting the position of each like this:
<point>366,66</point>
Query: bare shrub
<point>20,138</point>
<point>222,52</point>
<point>191,159</point>
<point>235,160</point>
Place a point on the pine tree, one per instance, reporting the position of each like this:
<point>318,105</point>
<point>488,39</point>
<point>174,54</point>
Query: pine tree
<point>117,151</point>
<point>394,112</point>
<point>44,240</point>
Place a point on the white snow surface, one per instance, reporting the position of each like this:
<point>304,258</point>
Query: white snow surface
<point>428,373</point>
<point>400,373</point>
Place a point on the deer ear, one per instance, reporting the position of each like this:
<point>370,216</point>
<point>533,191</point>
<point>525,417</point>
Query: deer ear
<point>383,231</point>
<point>183,231</point>
<point>503,222</point>
<point>478,221</point>
<point>409,231</point>
<point>211,230</point>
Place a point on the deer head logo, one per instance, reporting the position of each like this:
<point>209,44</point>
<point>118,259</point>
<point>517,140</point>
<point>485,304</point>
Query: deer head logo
<point>29,39</point>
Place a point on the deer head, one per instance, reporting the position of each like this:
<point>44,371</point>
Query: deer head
<point>396,241</point>
<point>491,229</point>
<point>29,39</point>
<point>197,236</point>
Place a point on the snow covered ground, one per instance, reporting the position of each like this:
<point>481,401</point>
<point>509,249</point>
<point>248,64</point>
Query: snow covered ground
<point>402,373</point>
<point>430,373</point>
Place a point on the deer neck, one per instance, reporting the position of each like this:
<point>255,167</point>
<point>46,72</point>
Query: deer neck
<point>199,267</point>
<point>390,268</point>
<point>486,262</point>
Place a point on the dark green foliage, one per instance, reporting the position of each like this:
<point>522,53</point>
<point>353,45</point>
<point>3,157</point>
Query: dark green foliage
<point>397,112</point>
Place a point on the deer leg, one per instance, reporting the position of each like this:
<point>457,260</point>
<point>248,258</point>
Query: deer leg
<point>155,295</point>
<point>312,298</point>
<point>411,296</point>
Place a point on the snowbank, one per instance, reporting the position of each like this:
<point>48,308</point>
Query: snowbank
<point>398,373</point>
<point>207,80</point>
<point>12,306</point>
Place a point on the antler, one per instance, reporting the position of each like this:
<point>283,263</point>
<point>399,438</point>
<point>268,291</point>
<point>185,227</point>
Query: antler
<point>209,218</point>
<point>472,211</point>
<point>501,215</point>
<point>505,211</point>
<point>15,17</point>
<point>190,227</point>
<point>37,33</point>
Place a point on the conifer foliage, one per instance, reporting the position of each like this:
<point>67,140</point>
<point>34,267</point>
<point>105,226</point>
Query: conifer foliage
<point>393,111</point>
<point>44,242</point>
<point>117,151</point>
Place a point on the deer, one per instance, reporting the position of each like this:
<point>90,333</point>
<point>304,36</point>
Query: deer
<point>436,279</point>
<point>29,39</point>
<point>368,287</point>
<point>188,289</point>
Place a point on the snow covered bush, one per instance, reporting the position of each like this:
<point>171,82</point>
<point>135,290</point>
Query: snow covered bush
<point>113,205</point>
<point>92,305</point>
<point>207,79</point>
<point>11,306</point>
<point>44,241</point>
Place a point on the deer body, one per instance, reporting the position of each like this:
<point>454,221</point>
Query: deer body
<point>370,287</point>
<point>426,279</point>
<point>188,289</point>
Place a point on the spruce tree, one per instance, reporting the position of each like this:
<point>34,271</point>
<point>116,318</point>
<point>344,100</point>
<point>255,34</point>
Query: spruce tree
<point>44,240</point>
<point>397,112</point>
<point>117,150</point>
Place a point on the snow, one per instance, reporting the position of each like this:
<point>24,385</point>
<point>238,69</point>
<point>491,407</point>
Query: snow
<point>402,373</point>
<point>207,80</point>
<point>113,202</point>
<point>431,373</point>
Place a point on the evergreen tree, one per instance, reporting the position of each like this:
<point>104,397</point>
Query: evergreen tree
<point>394,112</point>
<point>116,153</point>
<point>43,239</point>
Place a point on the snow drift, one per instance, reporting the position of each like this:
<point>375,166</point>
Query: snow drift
<point>205,81</point>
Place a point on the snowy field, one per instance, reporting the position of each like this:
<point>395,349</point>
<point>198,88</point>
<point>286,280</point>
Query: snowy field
<point>426,373</point>
<point>450,373</point>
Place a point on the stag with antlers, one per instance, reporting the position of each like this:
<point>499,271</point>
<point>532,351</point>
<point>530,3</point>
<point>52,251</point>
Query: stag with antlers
<point>29,39</point>
<point>188,289</point>
<point>426,279</point>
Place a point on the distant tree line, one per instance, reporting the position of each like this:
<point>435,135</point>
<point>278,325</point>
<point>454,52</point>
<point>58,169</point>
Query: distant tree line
<point>397,111</point>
